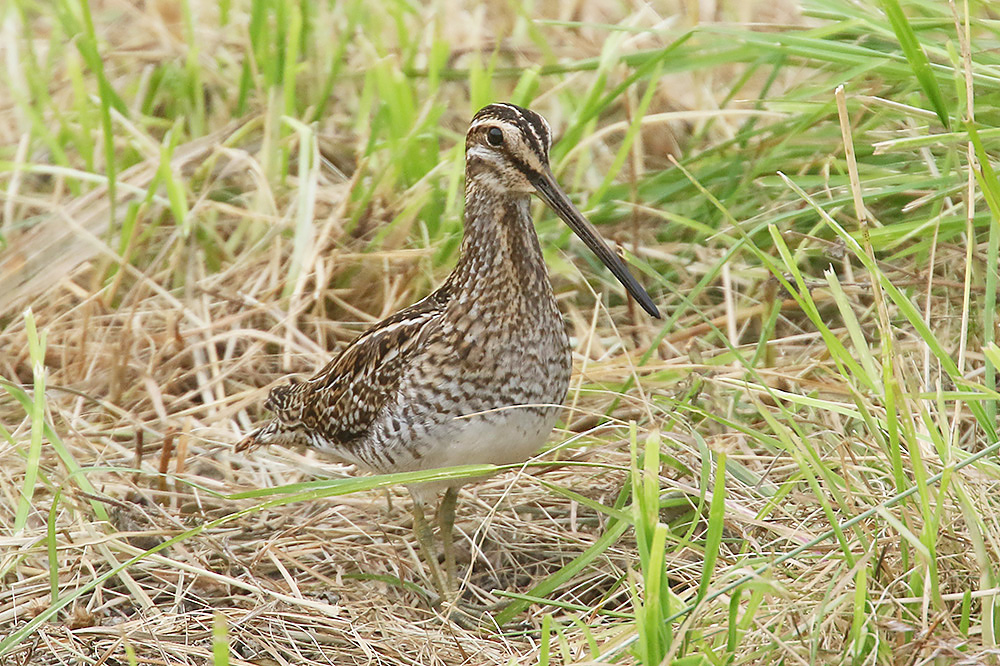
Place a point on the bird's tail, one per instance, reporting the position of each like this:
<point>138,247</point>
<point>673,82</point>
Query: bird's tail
<point>251,441</point>
<point>285,402</point>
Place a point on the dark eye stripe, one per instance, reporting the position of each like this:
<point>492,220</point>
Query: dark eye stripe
<point>521,166</point>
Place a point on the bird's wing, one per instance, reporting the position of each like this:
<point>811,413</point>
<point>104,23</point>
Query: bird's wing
<point>342,400</point>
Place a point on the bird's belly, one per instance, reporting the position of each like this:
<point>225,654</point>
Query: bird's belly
<point>420,436</point>
<point>499,437</point>
<point>506,436</point>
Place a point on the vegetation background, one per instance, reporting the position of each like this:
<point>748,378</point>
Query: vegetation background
<point>797,465</point>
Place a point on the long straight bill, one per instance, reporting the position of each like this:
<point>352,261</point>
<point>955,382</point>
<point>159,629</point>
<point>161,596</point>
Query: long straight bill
<point>552,194</point>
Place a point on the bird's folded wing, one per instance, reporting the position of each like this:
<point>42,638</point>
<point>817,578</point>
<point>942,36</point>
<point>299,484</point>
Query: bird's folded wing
<point>343,399</point>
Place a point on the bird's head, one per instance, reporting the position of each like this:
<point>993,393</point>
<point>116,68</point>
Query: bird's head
<point>507,151</point>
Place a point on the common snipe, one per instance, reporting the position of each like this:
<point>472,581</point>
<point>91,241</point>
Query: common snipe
<point>474,373</point>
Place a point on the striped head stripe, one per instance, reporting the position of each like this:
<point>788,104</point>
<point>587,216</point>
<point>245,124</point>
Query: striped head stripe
<point>534,128</point>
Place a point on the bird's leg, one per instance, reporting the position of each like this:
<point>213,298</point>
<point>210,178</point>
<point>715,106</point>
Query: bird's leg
<point>425,540</point>
<point>446,520</point>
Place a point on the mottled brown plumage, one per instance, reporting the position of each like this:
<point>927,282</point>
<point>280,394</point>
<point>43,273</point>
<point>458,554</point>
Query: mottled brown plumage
<point>475,372</point>
<point>338,404</point>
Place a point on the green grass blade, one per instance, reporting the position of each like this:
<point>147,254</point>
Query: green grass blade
<point>989,185</point>
<point>36,346</point>
<point>916,57</point>
<point>220,640</point>
<point>51,547</point>
<point>716,524</point>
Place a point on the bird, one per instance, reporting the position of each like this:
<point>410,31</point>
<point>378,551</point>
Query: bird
<point>475,372</point>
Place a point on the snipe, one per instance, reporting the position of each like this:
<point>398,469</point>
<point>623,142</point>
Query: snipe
<point>474,373</point>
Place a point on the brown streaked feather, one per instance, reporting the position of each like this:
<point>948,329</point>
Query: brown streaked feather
<point>340,401</point>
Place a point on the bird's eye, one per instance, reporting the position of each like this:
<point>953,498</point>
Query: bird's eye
<point>495,136</point>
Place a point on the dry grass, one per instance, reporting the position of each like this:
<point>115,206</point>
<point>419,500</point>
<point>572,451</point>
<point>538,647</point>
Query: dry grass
<point>164,323</point>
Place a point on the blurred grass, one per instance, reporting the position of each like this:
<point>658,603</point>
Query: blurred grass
<point>824,369</point>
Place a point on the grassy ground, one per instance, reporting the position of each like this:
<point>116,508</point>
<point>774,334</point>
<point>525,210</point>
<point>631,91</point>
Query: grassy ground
<point>797,465</point>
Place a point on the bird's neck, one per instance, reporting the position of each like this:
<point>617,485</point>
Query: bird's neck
<point>500,247</point>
